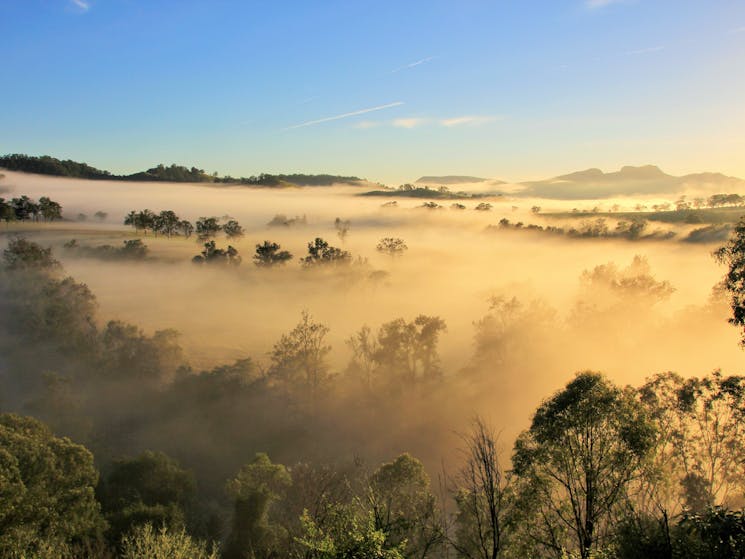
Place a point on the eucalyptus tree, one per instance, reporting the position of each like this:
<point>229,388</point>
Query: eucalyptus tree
<point>584,447</point>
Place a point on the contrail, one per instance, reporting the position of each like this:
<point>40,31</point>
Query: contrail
<point>345,115</point>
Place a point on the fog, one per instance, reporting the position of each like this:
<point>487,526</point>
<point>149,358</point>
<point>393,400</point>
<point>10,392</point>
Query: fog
<point>453,269</point>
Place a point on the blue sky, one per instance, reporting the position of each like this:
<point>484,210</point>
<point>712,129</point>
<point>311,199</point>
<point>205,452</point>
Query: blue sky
<point>388,90</point>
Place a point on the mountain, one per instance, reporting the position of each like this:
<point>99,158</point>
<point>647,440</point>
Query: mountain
<point>628,181</point>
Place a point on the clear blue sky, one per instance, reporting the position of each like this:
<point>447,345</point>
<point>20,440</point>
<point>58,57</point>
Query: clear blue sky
<point>510,89</point>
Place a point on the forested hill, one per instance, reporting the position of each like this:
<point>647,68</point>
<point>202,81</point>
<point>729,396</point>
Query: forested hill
<point>47,165</point>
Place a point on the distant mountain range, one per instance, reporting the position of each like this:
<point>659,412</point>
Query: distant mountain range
<point>629,181</point>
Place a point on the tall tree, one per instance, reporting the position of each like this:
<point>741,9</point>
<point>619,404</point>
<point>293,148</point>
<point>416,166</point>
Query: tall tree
<point>256,487</point>
<point>483,497</point>
<point>733,255</point>
<point>584,446</point>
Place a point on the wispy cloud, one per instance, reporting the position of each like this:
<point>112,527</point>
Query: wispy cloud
<point>601,3</point>
<point>83,5</point>
<point>738,29</point>
<point>409,122</point>
<point>414,64</point>
<point>345,115</point>
<point>467,120</point>
<point>416,122</point>
<point>646,50</point>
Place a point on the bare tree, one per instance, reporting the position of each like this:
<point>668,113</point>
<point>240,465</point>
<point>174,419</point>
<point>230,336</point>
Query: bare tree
<point>482,496</point>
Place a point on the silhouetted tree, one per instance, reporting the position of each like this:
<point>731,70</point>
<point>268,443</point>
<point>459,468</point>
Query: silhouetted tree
<point>207,227</point>
<point>320,253</point>
<point>392,246</point>
<point>268,254</point>
<point>233,229</point>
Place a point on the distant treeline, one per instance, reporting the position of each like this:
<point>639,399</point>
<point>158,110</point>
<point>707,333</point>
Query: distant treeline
<point>411,191</point>
<point>631,230</point>
<point>24,208</point>
<point>47,165</point>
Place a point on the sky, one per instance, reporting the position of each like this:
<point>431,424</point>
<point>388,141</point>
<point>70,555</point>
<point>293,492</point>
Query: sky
<point>385,90</point>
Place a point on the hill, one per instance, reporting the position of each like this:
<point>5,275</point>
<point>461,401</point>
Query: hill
<point>47,165</point>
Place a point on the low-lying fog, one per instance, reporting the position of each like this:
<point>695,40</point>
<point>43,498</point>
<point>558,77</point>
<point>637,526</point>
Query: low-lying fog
<point>451,269</point>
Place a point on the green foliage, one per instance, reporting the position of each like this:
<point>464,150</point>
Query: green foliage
<point>23,254</point>
<point>350,535</point>
<point>268,254</point>
<point>716,533</point>
<point>583,448</point>
<point>46,489</point>
<point>404,508</point>
<point>299,358</point>
<point>143,542</point>
<point>46,165</point>
<point>732,254</point>
<point>150,489</point>
<point>256,487</point>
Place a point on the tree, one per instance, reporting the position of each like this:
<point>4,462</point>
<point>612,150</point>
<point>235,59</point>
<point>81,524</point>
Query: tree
<point>733,255</point>
<point>392,246</point>
<point>483,497</point>
<point>702,446</point>
<point>256,487</point>
<point>233,229</point>
<point>49,209</point>
<point>321,253</point>
<point>483,207</point>
<point>342,228</point>
<point>298,359</point>
<point>23,254</point>
<point>401,352</point>
<point>100,215</point>
<point>207,227</point>
<point>149,489</point>
<point>404,508</point>
<point>46,489</point>
<point>24,208</point>
<point>211,255</point>
<point>584,446</point>
<point>6,211</point>
<point>144,542</point>
<point>185,228</point>
<point>166,222</point>
<point>350,533</point>
<point>141,221</point>
<point>268,254</point>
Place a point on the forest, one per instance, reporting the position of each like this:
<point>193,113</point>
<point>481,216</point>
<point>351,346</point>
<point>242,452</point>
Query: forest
<point>375,430</point>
